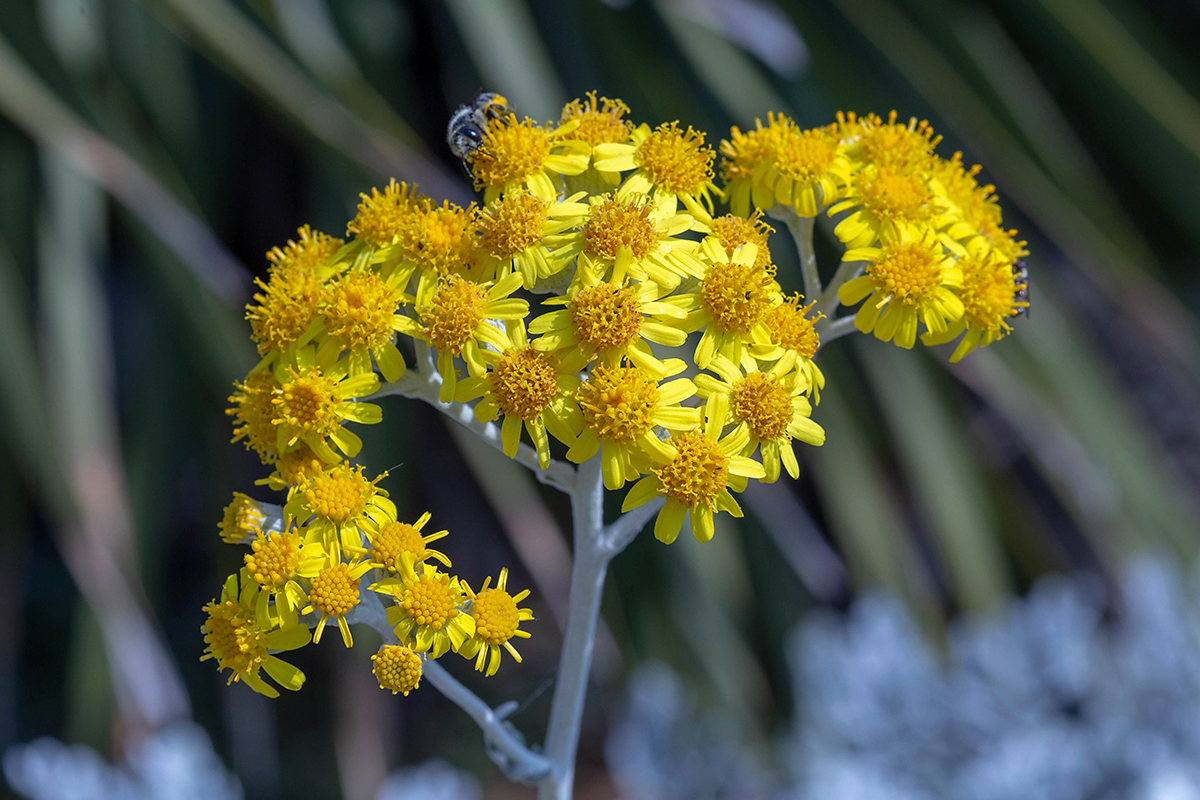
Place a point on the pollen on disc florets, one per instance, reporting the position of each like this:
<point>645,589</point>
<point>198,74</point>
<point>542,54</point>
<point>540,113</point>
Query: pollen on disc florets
<point>385,216</point>
<point>453,314</point>
<point>334,591</point>
<point>733,232</point>
<point>511,151</point>
<point>308,402</point>
<point>805,154</point>
<point>598,123</point>
<point>359,308</point>
<point>613,223</point>
<point>233,637</point>
<point>274,558</point>
<point>745,152</point>
<point>339,493</point>
<point>893,143</point>
<point>737,295</point>
<point>618,403</point>
<point>429,600</point>
<point>606,316</point>
<point>791,327</point>
<point>764,404</point>
<point>909,271</point>
<point>397,668</point>
<point>698,472</point>
<point>441,238</point>
<point>676,160</point>
<point>243,517</point>
<point>496,616</point>
<point>896,195</point>
<point>394,539</point>
<point>284,309</point>
<point>513,224</point>
<point>307,256</point>
<point>254,412</point>
<point>299,465</point>
<point>524,382</point>
<point>987,291</point>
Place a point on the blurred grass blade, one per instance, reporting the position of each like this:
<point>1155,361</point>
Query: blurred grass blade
<point>724,68</point>
<point>862,513</point>
<point>251,56</point>
<point>1132,67</point>
<point>939,467</point>
<point>505,45</point>
<point>29,104</point>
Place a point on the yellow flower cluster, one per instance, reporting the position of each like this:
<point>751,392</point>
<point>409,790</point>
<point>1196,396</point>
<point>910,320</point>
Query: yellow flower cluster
<point>928,237</point>
<point>660,343</point>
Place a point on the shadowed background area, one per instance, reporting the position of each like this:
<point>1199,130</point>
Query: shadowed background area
<point>152,151</point>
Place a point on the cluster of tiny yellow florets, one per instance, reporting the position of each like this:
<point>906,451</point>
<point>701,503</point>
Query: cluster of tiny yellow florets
<point>594,302</point>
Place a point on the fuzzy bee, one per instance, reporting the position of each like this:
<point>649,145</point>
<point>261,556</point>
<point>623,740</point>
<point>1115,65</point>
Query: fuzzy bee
<point>1021,281</point>
<point>470,122</point>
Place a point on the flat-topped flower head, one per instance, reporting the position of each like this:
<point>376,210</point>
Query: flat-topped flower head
<point>992,292</point>
<point>625,237</point>
<point>531,390</point>
<point>730,303</point>
<point>396,541</point>
<point>333,590</point>
<point>455,323</point>
<point>608,323</point>
<point>397,668</point>
<point>517,231</point>
<point>669,164</point>
<point>524,154</point>
<point>770,407</point>
<point>384,217</point>
<point>341,504</point>
<point>621,406</point>
<point>427,615</point>
<point>243,520</point>
<point>873,141</point>
<point>240,643</point>
<point>313,404</point>
<point>497,621</point>
<point>698,479</point>
<point>794,343</point>
<point>910,278</point>
<point>438,241</point>
<point>600,122</point>
<point>283,313</point>
<point>254,413</point>
<point>883,199</point>
<point>274,562</point>
<point>359,314</point>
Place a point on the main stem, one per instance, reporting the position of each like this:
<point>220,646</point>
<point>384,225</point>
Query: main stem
<point>587,588</point>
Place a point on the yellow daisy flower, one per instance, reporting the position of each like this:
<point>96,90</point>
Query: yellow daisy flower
<point>730,303</point>
<point>359,313</point>
<point>531,390</point>
<point>313,404</point>
<point>455,323</point>
<point>254,413</point>
<point>598,123</point>
<point>395,541</point>
<point>770,407</point>
<point>670,165</point>
<point>884,198</point>
<point>333,590</point>
<point>992,292</point>
<point>909,278</point>
<point>385,217</point>
<point>234,636</point>
<point>625,237</point>
<point>522,154</point>
<point>609,323</point>
<point>794,343</point>
<point>872,141</point>
<point>438,241</point>
<point>428,615</point>
<point>274,562</point>
<point>515,233</point>
<point>497,620</point>
<point>732,232</point>
<point>242,520</point>
<point>340,504</point>
<point>977,207</point>
<point>294,468</point>
<point>747,155</point>
<point>397,668</point>
<point>698,479</point>
<point>621,405</point>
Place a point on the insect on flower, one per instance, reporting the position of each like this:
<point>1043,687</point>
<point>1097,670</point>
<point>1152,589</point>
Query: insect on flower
<point>1021,279</point>
<point>467,127</point>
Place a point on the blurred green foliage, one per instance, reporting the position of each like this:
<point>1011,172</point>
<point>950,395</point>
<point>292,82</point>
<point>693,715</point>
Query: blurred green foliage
<point>151,151</point>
